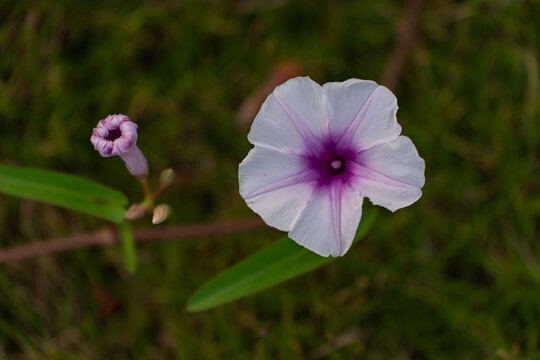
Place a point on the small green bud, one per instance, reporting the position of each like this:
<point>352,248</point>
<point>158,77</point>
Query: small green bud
<point>166,177</point>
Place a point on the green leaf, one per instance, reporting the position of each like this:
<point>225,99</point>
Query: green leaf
<point>128,245</point>
<point>272,265</point>
<point>64,190</point>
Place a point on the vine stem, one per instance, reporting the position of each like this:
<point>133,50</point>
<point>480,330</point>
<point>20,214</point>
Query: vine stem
<point>108,236</point>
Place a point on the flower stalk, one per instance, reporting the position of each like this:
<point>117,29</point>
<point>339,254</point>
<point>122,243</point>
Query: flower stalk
<point>148,201</point>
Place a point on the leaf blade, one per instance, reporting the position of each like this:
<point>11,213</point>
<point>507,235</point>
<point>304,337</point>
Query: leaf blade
<point>274,264</point>
<point>64,190</point>
<point>127,242</point>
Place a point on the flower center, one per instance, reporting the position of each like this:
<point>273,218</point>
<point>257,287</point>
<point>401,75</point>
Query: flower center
<point>336,165</point>
<point>113,134</point>
<point>331,163</point>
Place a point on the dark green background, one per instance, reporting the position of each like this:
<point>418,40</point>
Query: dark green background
<point>454,276</point>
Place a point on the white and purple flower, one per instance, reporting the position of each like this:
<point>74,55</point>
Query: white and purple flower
<point>117,135</point>
<point>319,150</point>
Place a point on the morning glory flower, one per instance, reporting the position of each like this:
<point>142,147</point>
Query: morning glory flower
<point>319,150</point>
<point>117,135</point>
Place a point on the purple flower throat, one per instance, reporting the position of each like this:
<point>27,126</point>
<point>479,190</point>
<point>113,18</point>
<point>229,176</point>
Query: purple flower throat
<point>331,162</point>
<point>113,134</point>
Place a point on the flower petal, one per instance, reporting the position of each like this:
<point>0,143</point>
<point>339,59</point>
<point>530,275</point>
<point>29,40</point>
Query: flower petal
<point>390,174</point>
<point>114,121</point>
<point>372,118</point>
<point>280,208</point>
<point>329,222</point>
<point>273,128</point>
<point>135,161</point>
<point>276,185</point>
<point>292,118</point>
<point>346,100</point>
<point>129,131</point>
<point>104,147</point>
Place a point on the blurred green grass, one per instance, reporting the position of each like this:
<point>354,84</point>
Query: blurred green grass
<point>455,276</point>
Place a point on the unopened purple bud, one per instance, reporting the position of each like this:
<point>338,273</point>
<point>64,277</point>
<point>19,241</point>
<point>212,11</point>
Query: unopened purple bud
<point>117,135</point>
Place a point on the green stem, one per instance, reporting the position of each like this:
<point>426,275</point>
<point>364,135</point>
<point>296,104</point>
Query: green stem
<point>148,201</point>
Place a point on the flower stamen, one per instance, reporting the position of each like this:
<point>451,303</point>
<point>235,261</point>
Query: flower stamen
<point>336,166</point>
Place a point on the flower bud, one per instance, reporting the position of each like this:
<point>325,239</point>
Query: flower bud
<point>161,213</point>
<point>135,211</point>
<point>166,177</point>
<point>117,135</point>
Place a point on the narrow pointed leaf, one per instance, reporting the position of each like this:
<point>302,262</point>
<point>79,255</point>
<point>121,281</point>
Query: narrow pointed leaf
<point>64,190</point>
<point>129,249</point>
<point>272,265</point>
